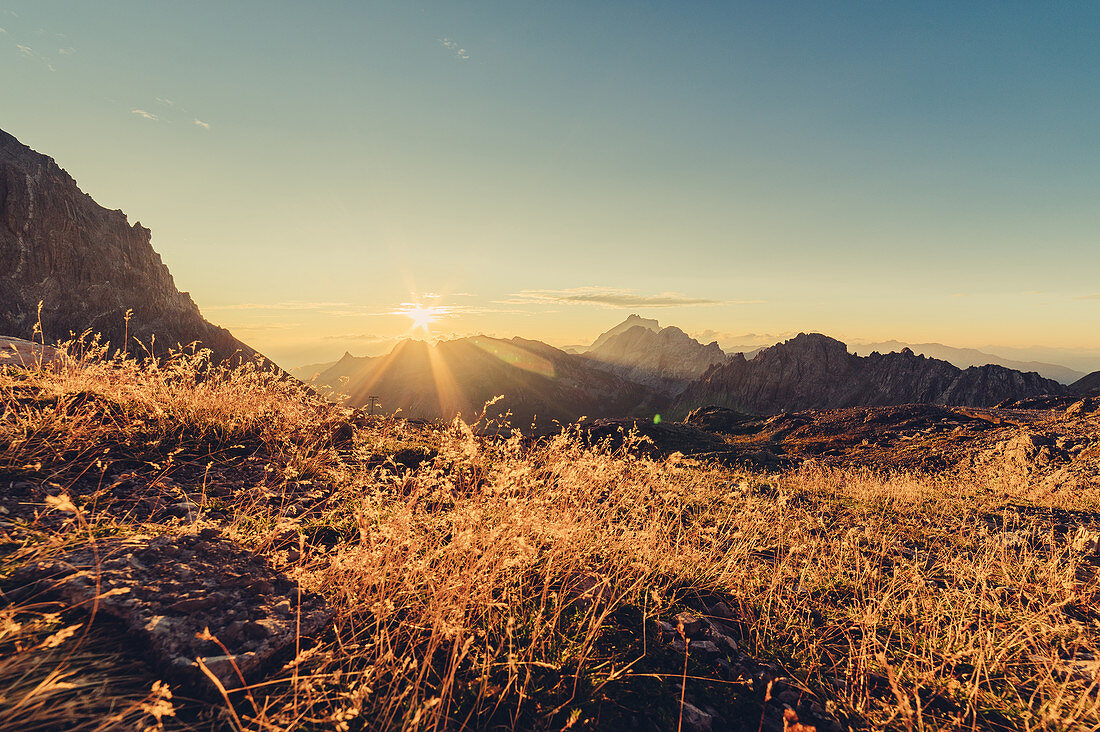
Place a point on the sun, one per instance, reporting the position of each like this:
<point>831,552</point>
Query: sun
<point>422,316</point>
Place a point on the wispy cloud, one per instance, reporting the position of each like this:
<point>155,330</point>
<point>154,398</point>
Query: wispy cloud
<point>361,337</point>
<point>199,123</point>
<point>287,305</point>
<point>28,52</point>
<point>144,115</point>
<point>612,298</point>
<point>66,51</point>
<point>436,311</point>
<point>1094,296</point>
<point>258,327</point>
<point>165,101</point>
<point>459,52</point>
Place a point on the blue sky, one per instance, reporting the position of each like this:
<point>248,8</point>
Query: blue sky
<point>872,170</point>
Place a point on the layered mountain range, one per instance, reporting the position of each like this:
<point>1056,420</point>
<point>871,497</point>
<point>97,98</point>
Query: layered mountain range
<point>967,357</point>
<point>87,265</point>
<point>639,368</point>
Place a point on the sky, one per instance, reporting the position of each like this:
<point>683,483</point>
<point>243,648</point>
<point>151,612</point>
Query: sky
<point>312,171</point>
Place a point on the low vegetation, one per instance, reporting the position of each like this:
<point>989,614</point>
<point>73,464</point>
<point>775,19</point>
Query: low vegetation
<point>504,583</point>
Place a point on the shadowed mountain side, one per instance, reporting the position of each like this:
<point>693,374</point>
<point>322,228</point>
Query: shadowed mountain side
<point>86,264</point>
<point>666,360</point>
<point>1088,385</point>
<point>812,371</point>
<point>967,357</point>
<point>459,376</point>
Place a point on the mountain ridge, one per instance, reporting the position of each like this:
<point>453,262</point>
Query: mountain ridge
<point>967,357</point>
<point>814,371</point>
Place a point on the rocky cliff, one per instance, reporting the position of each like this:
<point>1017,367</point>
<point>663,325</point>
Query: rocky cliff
<point>86,264</point>
<point>666,360</point>
<point>812,371</point>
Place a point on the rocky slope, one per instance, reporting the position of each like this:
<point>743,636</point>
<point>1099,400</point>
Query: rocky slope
<point>457,377</point>
<point>813,371</point>
<point>86,264</point>
<point>666,360</point>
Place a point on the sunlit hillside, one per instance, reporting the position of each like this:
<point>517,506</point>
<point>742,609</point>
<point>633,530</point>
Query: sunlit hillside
<point>189,547</point>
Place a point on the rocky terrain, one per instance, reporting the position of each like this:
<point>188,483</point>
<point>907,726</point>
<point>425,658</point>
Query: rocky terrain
<point>813,371</point>
<point>1052,446</point>
<point>441,380</point>
<point>666,360</point>
<point>87,266</point>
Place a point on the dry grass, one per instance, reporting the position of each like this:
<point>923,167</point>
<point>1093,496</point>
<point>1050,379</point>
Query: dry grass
<point>505,584</point>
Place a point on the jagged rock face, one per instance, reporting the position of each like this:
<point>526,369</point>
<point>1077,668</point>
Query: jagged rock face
<point>817,372</point>
<point>666,360</point>
<point>86,264</point>
<point>445,379</point>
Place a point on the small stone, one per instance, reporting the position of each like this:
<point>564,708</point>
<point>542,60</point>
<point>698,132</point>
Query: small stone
<point>696,720</point>
<point>721,610</point>
<point>705,649</point>
<point>693,625</point>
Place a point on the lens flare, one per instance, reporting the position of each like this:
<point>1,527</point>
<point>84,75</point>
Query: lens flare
<point>420,315</point>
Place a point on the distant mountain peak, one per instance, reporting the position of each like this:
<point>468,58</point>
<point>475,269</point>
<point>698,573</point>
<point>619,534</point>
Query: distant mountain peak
<point>632,321</point>
<point>667,359</point>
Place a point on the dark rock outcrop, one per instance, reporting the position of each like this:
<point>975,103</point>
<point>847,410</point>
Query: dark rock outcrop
<point>666,360</point>
<point>813,371</point>
<point>719,419</point>
<point>86,265</point>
